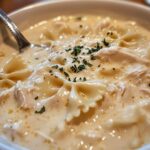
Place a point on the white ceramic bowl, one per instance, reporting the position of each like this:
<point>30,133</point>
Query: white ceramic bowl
<point>32,14</point>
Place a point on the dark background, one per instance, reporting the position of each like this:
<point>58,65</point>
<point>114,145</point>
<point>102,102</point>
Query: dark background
<point>11,5</point>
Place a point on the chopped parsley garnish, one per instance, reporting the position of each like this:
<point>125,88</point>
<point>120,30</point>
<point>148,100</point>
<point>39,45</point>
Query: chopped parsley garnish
<point>98,46</point>
<point>55,66</point>
<point>84,79</point>
<point>89,51</point>
<point>96,49</point>
<point>66,74</point>
<point>105,42</point>
<point>41,110</point>
<point>68,49</point>
<point>93,57</point>
<point>61,69</point>
<point>77,69</point>
<point>75,59</point>
<point>74,68</point>
<point>86,63</point>
<point>77,50</point>
<point>74,80</point>
<point>79,79</point>
<point>81,67</point>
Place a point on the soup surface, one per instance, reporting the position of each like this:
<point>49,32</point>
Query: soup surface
<point>89,89</point>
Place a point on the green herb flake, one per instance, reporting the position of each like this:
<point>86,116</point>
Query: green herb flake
<point>92,57</point>
<point>61,69</point>
<point>84,79</point>
<point>77,50</point>
<point>87,63</point>
<point>105,42</point>
<point>75,79</point>
<point>68,49</point>
<point>95,49</point>
<point>66,74</point>
<point>81,67</point>
<point>75,59</point>
<point>41,111</point>
<point>89,51</point>
<point>55,66</point>
<point>74,68</point>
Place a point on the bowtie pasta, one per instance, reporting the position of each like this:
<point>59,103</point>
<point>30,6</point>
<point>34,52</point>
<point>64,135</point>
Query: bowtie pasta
<point>89,89</point>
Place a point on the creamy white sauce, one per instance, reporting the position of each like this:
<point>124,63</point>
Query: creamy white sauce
<point>90,89</point>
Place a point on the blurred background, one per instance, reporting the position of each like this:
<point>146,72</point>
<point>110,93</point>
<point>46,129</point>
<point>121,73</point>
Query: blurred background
<point>11,5</point>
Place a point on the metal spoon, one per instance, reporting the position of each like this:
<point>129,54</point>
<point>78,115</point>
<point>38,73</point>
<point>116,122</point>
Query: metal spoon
<point>21,40</point>
<point>147,2</point>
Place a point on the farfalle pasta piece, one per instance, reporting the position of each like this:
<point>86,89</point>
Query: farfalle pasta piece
<point>14,70</point>
<point>129,39</point>
<point>49,85</point>
<point>83,96</point>
<point>80,96</point>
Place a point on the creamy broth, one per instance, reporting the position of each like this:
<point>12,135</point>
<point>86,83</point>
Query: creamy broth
<point>88,90</point>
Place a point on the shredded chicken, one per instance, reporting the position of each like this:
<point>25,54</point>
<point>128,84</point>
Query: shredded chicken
<point>116,54</point>
<point>23,97</point>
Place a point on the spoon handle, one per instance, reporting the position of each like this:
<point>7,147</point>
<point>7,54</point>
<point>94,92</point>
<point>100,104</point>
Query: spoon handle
<point>21,40</point>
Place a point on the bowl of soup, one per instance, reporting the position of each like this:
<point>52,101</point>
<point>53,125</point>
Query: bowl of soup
<point>89,89</point>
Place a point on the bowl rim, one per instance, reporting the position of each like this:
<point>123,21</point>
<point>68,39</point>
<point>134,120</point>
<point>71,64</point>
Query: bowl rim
<point>44,3</point>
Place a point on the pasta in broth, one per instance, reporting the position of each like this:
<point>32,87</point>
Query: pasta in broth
<point>90,89</point>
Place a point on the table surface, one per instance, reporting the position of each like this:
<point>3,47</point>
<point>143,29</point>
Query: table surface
<point>11,5</point>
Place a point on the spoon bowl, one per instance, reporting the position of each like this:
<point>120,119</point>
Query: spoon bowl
<point>19,37</point>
